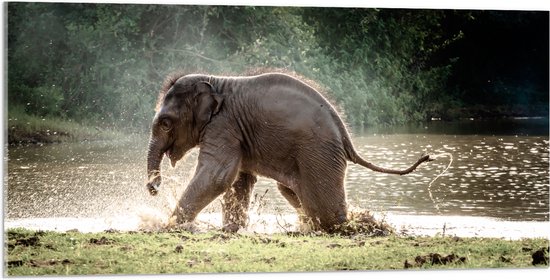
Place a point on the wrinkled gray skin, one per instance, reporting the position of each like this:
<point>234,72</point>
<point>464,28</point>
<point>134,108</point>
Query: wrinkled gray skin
<point>271,125</point>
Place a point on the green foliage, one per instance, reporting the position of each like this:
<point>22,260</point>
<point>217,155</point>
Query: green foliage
<point>104,63</point>
<point>385,55</point>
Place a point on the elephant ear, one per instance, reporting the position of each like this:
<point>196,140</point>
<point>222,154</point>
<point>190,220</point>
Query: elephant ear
<point>207,103</point>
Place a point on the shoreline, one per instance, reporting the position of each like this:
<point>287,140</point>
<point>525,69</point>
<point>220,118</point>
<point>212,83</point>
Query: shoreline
<point>32,130</point>
<point>409,225</point>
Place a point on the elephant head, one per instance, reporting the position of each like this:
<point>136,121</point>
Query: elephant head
<point>185,109</point>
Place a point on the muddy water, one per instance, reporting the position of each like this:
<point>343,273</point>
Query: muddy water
<point>499,170</point>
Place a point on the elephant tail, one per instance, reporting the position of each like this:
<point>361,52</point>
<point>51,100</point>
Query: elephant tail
<point>355,158</point>
<point>352,155</point>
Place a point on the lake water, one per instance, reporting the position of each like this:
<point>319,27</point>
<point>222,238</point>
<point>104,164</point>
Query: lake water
<point>499,169</point>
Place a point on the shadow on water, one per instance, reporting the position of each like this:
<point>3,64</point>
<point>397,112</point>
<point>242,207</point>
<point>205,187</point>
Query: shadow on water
<point>500,170</point>
<point>535,126</point>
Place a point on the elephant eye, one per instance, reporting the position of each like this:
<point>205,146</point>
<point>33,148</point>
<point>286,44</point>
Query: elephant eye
<point>165,124</point>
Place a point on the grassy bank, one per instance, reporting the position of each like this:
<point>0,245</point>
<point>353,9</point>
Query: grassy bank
<point>24,128</point>
<point>73,253</point>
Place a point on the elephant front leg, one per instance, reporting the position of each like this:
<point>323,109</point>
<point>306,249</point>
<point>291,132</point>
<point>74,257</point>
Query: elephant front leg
<point>236,201</point>
<point>213,177</point>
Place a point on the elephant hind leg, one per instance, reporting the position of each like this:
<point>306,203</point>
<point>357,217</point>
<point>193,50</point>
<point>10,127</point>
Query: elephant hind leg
<point>326,209</point>
<point>317,208</point>
<point>289,195</point>
<point>322,192</point>
<point>293,199</point>
<point>236,201</point>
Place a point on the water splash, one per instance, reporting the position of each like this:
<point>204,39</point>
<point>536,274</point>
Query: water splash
<point>415,225</point>
<point>48,188</point>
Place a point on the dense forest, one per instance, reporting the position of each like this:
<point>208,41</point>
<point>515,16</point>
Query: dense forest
<point>103,64</point>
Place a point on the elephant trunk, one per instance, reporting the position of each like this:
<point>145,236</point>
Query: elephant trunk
<point>154,158</point>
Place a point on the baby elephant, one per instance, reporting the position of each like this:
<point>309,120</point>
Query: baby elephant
<point>272,125</point>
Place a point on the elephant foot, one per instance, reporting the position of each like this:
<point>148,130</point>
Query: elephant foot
<point>188,226</point>
<point>232,222</point>
<point>306,223</point>
<point>231,228</point>
<point>182,216</point>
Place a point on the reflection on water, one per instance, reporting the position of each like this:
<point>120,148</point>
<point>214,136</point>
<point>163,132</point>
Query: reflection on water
<point>498,176</point>
<point>503,175</point>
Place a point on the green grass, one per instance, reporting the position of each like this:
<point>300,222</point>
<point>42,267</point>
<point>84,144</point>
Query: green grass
<point>24,128</point>
<point>72,253</point>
